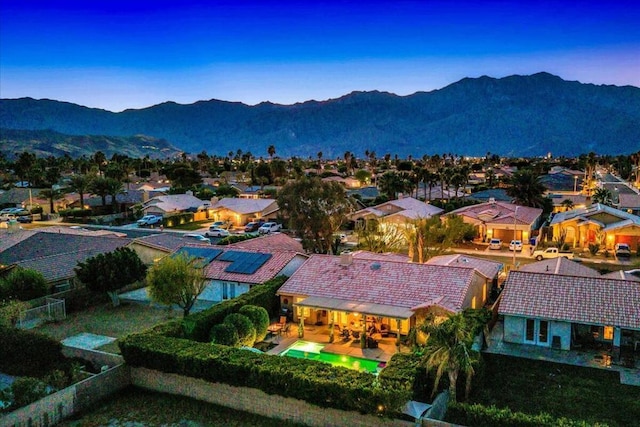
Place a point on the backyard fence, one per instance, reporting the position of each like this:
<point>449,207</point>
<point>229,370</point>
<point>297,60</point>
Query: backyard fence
<point>52,310</point>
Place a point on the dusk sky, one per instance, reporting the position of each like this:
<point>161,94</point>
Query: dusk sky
<point>134,54</point>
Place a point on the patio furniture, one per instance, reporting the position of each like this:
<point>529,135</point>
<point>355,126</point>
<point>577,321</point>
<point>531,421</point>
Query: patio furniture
<point>356,336</point>
<point>275,329</point>
<point>287,329</point>
<point>283,320</point>
<point>345,335</point>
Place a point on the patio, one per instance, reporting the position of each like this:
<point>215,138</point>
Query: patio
<point>320,334</point>
<point>592,358</point>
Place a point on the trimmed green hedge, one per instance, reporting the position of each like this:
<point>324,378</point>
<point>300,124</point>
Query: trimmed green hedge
<point>489,416</point>
<point>317,383</point>
<point>244,327</point>
<point>197,326</point>
<point>225,334</point>
<point>29,353</point>
<point>260,319</point>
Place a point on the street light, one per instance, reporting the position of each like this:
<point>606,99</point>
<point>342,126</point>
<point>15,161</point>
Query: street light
<point>515,217</point>
<point>575,183</point>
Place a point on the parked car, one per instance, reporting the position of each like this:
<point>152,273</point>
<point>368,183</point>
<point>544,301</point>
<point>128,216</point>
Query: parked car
<point>225,225</point>
<point>252,226</point>
<point>216,232</point>
<point>269,227</point>
<point>495,244</point>
<point>198,237</point>
<point>515,245</point>
<point>149,220</point>
<point>7,216</point>
<point>623,250</point>
<point>25,219</point>
<point>548,253</point>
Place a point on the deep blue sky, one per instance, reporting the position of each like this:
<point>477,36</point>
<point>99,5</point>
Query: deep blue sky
<point>131,54</point>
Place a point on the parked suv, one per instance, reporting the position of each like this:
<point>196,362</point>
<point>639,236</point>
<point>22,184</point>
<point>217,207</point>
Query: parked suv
<point>252,226</point>
<point>622,250</point>
<point>149,220</point>
<point>495,244</point>
<point>269,227</point>
<point>515,245</point>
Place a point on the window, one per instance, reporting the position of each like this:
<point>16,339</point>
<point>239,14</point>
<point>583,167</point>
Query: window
<point>608,332</point>
<point>543,335</point>
<point>530,330</point>
<point>225,291</point>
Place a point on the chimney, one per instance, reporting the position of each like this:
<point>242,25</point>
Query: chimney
<point>346,259</point>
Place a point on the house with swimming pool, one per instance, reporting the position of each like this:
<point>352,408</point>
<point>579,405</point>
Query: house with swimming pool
<point>354,292</point>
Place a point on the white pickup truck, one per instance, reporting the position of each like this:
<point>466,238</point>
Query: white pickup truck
<point>551,253</point>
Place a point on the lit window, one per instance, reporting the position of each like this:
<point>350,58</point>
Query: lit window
<point>608,332</point>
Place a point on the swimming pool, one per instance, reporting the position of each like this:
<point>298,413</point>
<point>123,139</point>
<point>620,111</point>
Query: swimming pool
<point>313,351</point>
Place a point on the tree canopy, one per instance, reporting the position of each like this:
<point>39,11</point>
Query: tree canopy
<point>315,209</point>
<point>176,280</point>
<point>111,271</point>
<point>23,284</point>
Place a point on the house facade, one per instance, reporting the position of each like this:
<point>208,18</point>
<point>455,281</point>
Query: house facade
<point>345,290</point>
<point>241,211</point>
<point>567,312</point>
<point>398,211</point>
<point>500,220</point>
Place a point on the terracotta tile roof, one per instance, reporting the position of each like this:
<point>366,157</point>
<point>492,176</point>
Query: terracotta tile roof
<point>169,242</point>
<point>270,269</point>
<point>245,206</point>
<point>629,200</point>
<point>499,213</point>
<point>622,275</point>
<point>588,300</point>
<point>488,269</point>
<point>46,244</point>
<point>9,238</point>
<point>560,266</point>
<point>387,256</point>
<point>271,241</point>
<point>398,284</point>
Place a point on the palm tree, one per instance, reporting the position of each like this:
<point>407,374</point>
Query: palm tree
<point>271,151</point>
<point>391,183</point>
<point>80,184</point>
<point>602,196</point>
<point>567,204</point>
<point>448,349</point>
<point>526,189</point>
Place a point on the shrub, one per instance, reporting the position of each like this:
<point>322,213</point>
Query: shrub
<point>23,284</point>
<point>259,317</point>
<point>225,334</point>
<point>594,248</point>
<point>244,327</point>
<point>26,390</point>
<point>29,353</point>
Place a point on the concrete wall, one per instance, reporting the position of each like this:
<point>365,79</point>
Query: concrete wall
<point>97,358</point>
<point>255,401</point>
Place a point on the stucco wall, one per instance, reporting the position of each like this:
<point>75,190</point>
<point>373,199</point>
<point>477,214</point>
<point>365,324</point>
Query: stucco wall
<point>255,401</point>
<point>513,329</point>
<point>476,290</point>
<point>146,254</point>
<point>563,330</point>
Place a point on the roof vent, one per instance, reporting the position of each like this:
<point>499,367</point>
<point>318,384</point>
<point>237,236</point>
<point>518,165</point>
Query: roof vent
<point>375,266</point>
<point>492,199</point>
<point>346,259</point>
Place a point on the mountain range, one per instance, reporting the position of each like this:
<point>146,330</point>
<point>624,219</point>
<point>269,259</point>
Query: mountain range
<point>513,116</point>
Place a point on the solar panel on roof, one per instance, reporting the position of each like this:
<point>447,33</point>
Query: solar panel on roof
<point>205,254</point>
<point>244,262</point>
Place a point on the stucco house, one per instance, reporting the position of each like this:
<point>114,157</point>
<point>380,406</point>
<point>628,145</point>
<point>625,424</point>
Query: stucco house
<point>501,220</point>
<point>565,312</point>
<point>171,204</point>
<point>152,248</point>
<point>342,289</point>
<point>242,211</point>
<point>597,224</point>
<point>398,211</point>
<point>488,269</point>
<point>231,272</point>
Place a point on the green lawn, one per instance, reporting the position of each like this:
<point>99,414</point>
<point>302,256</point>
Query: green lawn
<point>531,386</point>
<point>135,405</point>
<point>107,320</point>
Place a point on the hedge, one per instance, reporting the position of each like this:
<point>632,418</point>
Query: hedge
<point>225,334</point>
<point>489,416</point>
<point>197,326</point>
<point>260,319</point>
<point>317,383</point>
<point>29,353</point>
<point>244,327</point>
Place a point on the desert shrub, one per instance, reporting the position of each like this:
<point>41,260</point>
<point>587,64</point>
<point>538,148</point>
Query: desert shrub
<point>225,334</point>
<point>594,248</point>
<point>244,327</point>
<point>259,317</point>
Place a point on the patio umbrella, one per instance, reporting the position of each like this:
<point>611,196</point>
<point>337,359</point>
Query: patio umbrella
<point>415,409</point>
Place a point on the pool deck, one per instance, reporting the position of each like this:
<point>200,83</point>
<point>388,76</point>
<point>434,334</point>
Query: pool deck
<point>320,334</point>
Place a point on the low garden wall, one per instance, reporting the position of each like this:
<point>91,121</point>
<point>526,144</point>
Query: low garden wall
<point>255,401</point>
<point>97,358</point>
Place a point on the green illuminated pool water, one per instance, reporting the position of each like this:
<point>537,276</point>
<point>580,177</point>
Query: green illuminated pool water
<point>312,351</point>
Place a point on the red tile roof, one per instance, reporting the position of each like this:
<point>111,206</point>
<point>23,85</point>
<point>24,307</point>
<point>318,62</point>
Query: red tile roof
<point>272,241</point>
<point>487,268</point>
<point>270,269</point>
<point>587,300</point>
<point>499,213</point>
<point>560,265</point>
<point>386,256</point>
<point>390,283</point>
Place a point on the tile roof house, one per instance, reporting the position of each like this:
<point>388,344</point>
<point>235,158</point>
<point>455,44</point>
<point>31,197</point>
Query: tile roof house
<point>242,211</point>
<point>172,203</point>
<point>230,271</point>
<point>565,312</point>
<point>376,256</point>
<point>501,220</point>
<point>336,288</point>
<point>629,202</point>
<point>271,241</point>
<point>398,211</point>
<point>622,275</point>
<point>153,247</point>
<point>55,255</point>
<point>560,265</point>
<point>597,224</point>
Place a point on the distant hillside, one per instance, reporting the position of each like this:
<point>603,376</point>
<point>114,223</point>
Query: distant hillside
<point>46,142</point>
<point>517,115</point>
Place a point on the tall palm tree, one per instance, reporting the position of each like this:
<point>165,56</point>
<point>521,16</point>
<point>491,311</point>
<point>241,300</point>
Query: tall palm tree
<point>80,184</point>
<point>448,349</point>
<point>526,189</point>
<point>602,196</point>
<point>271,151</point>
<point>567,204</point>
